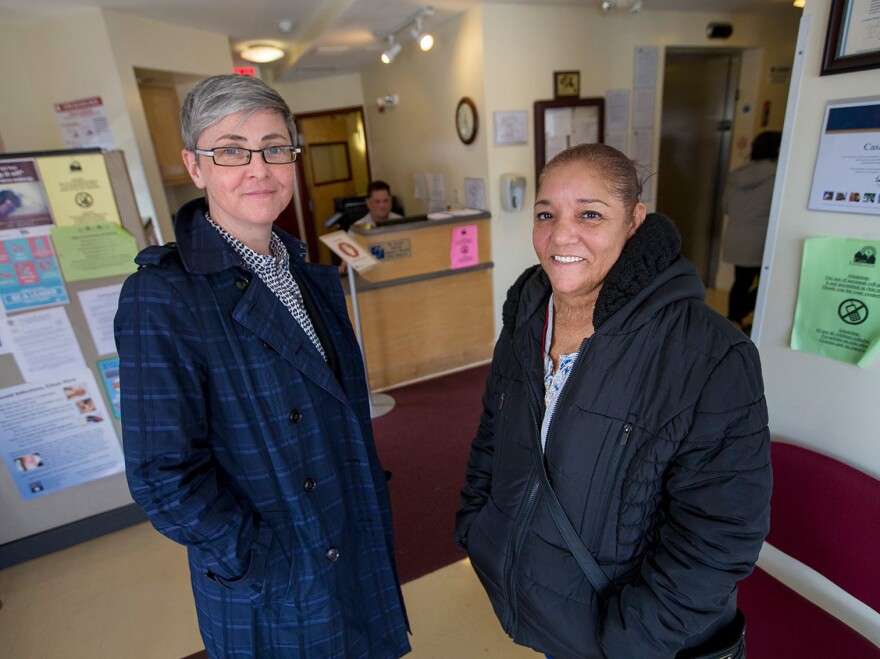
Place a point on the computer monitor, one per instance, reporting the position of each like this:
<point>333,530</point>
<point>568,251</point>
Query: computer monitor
<point>351,209</point>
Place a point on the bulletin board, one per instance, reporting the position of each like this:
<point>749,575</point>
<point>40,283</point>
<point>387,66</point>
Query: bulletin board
<point>566,122</point>
<point>69,230</point>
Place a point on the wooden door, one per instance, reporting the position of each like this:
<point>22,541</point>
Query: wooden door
<point>334,163</point>
<point>162,112</point>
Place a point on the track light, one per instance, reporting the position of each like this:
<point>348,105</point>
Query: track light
<point>413,26</point>
<point>425,39</point>
<point>392,51</point>
<point>800,3</point>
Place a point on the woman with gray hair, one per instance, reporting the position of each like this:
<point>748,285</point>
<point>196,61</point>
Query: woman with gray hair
<point>245,409</point>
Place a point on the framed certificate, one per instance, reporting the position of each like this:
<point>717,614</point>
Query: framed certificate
<point>853,39</point>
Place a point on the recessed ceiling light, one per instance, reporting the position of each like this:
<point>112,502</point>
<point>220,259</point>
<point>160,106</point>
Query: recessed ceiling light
<point>262,53</point>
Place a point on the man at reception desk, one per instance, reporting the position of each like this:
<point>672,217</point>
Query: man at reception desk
<point>379,205</point>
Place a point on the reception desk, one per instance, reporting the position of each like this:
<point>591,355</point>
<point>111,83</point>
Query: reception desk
<point>423,308</point>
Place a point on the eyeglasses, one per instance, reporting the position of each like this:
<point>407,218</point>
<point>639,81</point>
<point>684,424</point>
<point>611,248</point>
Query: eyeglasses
<point>235,156</point>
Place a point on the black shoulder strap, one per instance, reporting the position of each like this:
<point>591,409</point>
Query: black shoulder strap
<point>588,564</point>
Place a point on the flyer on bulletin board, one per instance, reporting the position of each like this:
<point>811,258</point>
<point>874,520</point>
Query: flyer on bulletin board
<point>29,273</point>
<point>90,251</point>
<point>79,190</point>
<point>22,202</point>
<point>57,434</point>
<point>838,305</point>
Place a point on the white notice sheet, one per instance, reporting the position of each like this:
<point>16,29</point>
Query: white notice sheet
<point>44,344</point>
<point>57,434</point>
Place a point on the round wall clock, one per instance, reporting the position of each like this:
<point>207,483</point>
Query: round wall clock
<point>466,120</point>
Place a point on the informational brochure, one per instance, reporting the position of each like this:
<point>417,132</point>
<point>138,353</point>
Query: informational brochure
<point>57,434</point>
<point>22,202</point>
<point>99,306</point>
<point>463,247</point>
<point>847,174</point>
<point>44,344</point>
<point>78,188</point>
<point>29,273</point>
<point>109,369</point>
<point>838,305</point>
<point>90,251</point>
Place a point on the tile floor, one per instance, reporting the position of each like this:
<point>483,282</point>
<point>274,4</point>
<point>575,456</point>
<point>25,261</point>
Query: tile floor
<point>127,595</point>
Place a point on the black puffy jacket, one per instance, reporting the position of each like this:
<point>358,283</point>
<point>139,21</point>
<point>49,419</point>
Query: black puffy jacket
<point>658,451</point>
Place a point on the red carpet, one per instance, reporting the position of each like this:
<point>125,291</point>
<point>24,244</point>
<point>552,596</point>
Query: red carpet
<point>424,442</point>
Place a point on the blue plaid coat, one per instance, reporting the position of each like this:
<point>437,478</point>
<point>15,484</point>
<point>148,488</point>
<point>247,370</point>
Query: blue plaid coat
<point>242,444</point>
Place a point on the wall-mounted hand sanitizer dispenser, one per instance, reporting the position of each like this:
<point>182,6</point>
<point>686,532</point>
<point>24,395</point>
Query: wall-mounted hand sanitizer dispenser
<point>513,192</point>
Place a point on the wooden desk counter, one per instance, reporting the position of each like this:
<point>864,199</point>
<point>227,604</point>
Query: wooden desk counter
<point>419,316</point>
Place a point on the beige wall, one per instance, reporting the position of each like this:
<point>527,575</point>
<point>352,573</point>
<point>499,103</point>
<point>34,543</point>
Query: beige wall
<point>93,53</point>
<point>495,55</point>
<point>147,44</point>
<point>419,134</point>
<point>339,91</point>
<point>814,401</point>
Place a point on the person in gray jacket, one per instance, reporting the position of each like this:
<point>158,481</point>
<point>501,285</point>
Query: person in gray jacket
<point>624,420</point>
<point>747,201</point>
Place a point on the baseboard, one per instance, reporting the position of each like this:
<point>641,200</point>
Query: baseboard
<point>68,535</point>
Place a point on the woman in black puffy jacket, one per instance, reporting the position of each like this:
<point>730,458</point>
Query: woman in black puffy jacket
<point>617,388</point>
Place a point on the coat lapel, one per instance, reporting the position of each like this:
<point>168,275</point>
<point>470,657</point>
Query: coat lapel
<point>261,312</point>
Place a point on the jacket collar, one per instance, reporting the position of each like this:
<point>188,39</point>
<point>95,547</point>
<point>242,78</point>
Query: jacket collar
<point>204,251</point>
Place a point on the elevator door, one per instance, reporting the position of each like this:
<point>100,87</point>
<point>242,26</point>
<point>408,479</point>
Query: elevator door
<point>699,98</point>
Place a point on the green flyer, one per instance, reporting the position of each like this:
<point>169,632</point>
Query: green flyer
<point>89,251</point>
<point>838,305</point>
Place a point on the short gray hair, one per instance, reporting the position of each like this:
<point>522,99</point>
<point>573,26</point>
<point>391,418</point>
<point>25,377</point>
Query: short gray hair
<point>219,96</point>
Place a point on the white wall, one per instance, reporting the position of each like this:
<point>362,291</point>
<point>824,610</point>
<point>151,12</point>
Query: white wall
<point>814,401</point>
<point>332,92</point>
<point>525,44</point>
<point>147,44</point>
<point>419,134</point>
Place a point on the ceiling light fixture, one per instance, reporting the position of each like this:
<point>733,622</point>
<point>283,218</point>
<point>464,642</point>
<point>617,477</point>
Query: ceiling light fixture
<point>392,51</point>
<point>413,25</point>
<point>425,39</point>
<point>261,53</point>
<point>632,6</point>
<point>800,3</point>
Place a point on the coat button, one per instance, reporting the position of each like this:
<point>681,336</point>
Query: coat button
<point>241,283</point>
<point>332,554</point>
<point>267,346</point>
<point>295,416</point>
<point>310,485</point>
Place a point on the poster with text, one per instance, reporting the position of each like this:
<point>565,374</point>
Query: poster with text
<point>838,304</point>
<point>22,202</point>
<point>109,369</point>
<point>847,174</point>
<point>57,434</point>
<point>84,123</point>
<point>29,273</point>
<point>78,188</point>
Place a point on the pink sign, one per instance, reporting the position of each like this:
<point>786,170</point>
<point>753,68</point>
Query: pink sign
<point>463,251</point>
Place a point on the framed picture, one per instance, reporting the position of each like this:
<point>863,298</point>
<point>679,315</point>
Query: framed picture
<point>562,123</point>
<point>566,84</point>
<point>853,39</point>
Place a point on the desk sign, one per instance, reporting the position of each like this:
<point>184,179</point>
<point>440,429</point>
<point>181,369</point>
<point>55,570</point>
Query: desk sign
<point>346,248</point>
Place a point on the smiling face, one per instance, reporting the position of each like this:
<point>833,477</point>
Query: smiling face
<point>379,204</point>
<point>244,200</point>
<point>580,228</point>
